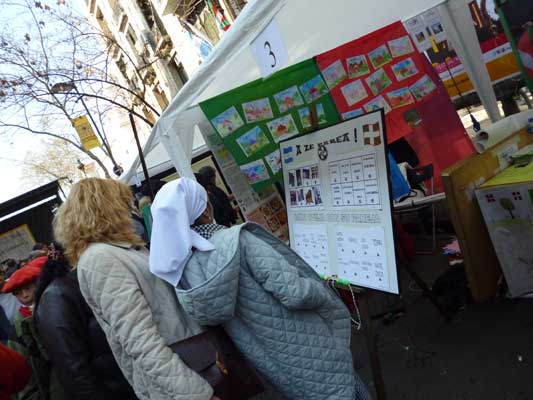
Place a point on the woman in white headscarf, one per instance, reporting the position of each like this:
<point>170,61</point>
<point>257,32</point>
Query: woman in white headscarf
<point>290,326</point>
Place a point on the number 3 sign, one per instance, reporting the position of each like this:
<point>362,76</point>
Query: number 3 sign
<point>269,50</point>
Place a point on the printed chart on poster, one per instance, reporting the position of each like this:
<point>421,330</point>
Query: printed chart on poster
<point>338,202</point>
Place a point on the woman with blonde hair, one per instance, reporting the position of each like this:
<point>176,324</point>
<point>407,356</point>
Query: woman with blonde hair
<point>137,311</point>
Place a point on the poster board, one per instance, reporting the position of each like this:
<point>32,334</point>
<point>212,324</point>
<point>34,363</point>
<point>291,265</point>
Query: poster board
<point>252,119</point>
<point>16,243</point>
<point>338,202</point>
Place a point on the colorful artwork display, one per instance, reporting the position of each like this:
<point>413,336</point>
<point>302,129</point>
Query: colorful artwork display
<point>255,171</point>
<point>380,56</point>
<point>288,99</point>
<point>352,114</point>
<point>423,87</point>
<point>257,110</point>
<point>313,89</point>
<point>376,104</point>
<point>400,97</point>
<point>305,117</point>
<point>334,74</point>
<point>321,115</point>
<point>253,141</point>
<point>378,82</point>
<point>354,92</point>
<point>387,65</point>
<point>227,122</point>
<point>401,46</point>
<point>282,128</point>
<point>357,66</point>
<point>404,69</point>
<point>274,161</point>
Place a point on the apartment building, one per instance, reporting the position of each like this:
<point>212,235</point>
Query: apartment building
<point>160,44</point>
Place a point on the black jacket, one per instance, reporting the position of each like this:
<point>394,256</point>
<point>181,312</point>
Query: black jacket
<point>223,210</point>
<point>77,346</point>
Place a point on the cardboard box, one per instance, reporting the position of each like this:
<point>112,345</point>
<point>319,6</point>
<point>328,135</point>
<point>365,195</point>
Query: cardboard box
<point>460,181</point>
<point>506,202</point>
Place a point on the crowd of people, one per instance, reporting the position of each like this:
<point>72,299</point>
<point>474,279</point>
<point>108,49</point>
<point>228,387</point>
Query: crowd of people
<point>96,314</point>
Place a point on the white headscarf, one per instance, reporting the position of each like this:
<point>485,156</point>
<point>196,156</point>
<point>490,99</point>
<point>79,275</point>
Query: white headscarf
<point>177,205</point>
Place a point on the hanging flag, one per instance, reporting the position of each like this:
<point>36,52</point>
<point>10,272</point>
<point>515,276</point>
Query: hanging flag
<point>221,18</point>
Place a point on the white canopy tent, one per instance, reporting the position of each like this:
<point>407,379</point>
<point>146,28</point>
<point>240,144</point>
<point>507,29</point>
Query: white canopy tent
<point>307,28</point>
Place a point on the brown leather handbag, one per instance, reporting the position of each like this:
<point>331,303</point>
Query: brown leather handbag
<point>213,355</point>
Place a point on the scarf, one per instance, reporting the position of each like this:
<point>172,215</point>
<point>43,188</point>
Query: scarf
<point>176,207</point>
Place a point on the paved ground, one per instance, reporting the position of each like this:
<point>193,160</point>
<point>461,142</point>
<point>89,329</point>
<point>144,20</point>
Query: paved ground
<point>485,353</point>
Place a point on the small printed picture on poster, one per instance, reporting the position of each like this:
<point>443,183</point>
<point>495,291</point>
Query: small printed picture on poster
<point>334,74</point>
<point>378,81</point>
<point>288,99</point>
<point>423,87</point>
<point>315,175</point>
<point>352,114</point>
<point>437,28</point>
<point>400,97</point>
<point>255,171</point>
<point>257,110</point>
<point>401,46</point>
<point>282,128</point>
<point>357,66</point>
<point>404,69</point>
<point>305,117</point>
<point>253,141</point>
<point>299,181</point>
<point>227,122</point>
<point>274,161</point>
<point>282,217</point>
<point>292,179</point>
<point>306,176</point>
<point>354,92</point>
<point>380,56</point>
<point>308,196</point>
<point>412,117</point>
<point>376,104</point>
<point>321,114</point>
<point>273,224</point>
<point>275,204</point>
<point>266,210</point>
<point>313,89</point>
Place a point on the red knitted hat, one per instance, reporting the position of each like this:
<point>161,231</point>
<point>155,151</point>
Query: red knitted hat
<point>24,276</point>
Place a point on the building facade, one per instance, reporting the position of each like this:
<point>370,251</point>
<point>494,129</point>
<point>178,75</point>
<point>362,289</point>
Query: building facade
<point>157,46</point>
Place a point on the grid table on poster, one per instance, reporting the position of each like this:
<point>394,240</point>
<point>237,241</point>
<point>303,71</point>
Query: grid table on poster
<point>354,181</point>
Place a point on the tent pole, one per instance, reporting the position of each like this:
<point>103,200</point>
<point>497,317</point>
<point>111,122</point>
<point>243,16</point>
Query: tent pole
<point>141,156</point>
<point>513,43</point>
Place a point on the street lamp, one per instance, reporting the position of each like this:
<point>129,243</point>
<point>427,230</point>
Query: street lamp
<point>65,88</point>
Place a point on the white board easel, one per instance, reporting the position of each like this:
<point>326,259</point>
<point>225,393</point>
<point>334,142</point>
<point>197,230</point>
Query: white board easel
<point>337,191</point>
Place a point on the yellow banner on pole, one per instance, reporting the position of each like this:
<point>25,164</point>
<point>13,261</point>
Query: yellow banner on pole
<point>85,132</point>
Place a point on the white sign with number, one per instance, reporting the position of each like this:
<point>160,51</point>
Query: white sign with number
<point>269,50</point>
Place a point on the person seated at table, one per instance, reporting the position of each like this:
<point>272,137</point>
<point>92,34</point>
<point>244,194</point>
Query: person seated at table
<point>224,212</point>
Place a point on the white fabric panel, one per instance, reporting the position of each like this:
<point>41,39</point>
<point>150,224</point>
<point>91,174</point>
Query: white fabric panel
<point>307,28</point>
<point>461,33</point>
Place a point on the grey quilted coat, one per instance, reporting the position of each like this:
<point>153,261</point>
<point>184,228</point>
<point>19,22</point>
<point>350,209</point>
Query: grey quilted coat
<point>283,318</point>
<point>140,317</point>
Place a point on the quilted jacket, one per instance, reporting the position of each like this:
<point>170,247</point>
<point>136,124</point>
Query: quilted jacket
<point>140,317</point>
<point>279,313</point>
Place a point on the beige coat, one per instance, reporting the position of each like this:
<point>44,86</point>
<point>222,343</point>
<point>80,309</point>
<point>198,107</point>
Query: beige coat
<point>140,317</point>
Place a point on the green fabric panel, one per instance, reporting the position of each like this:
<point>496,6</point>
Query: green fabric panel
<point>294,75</point>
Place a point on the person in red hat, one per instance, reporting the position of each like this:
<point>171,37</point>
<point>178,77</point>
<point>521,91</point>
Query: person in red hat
<point>15,372</point>
<point>22,337</point>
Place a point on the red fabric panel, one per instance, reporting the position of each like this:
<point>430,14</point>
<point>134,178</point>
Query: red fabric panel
<point>441,138</point>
